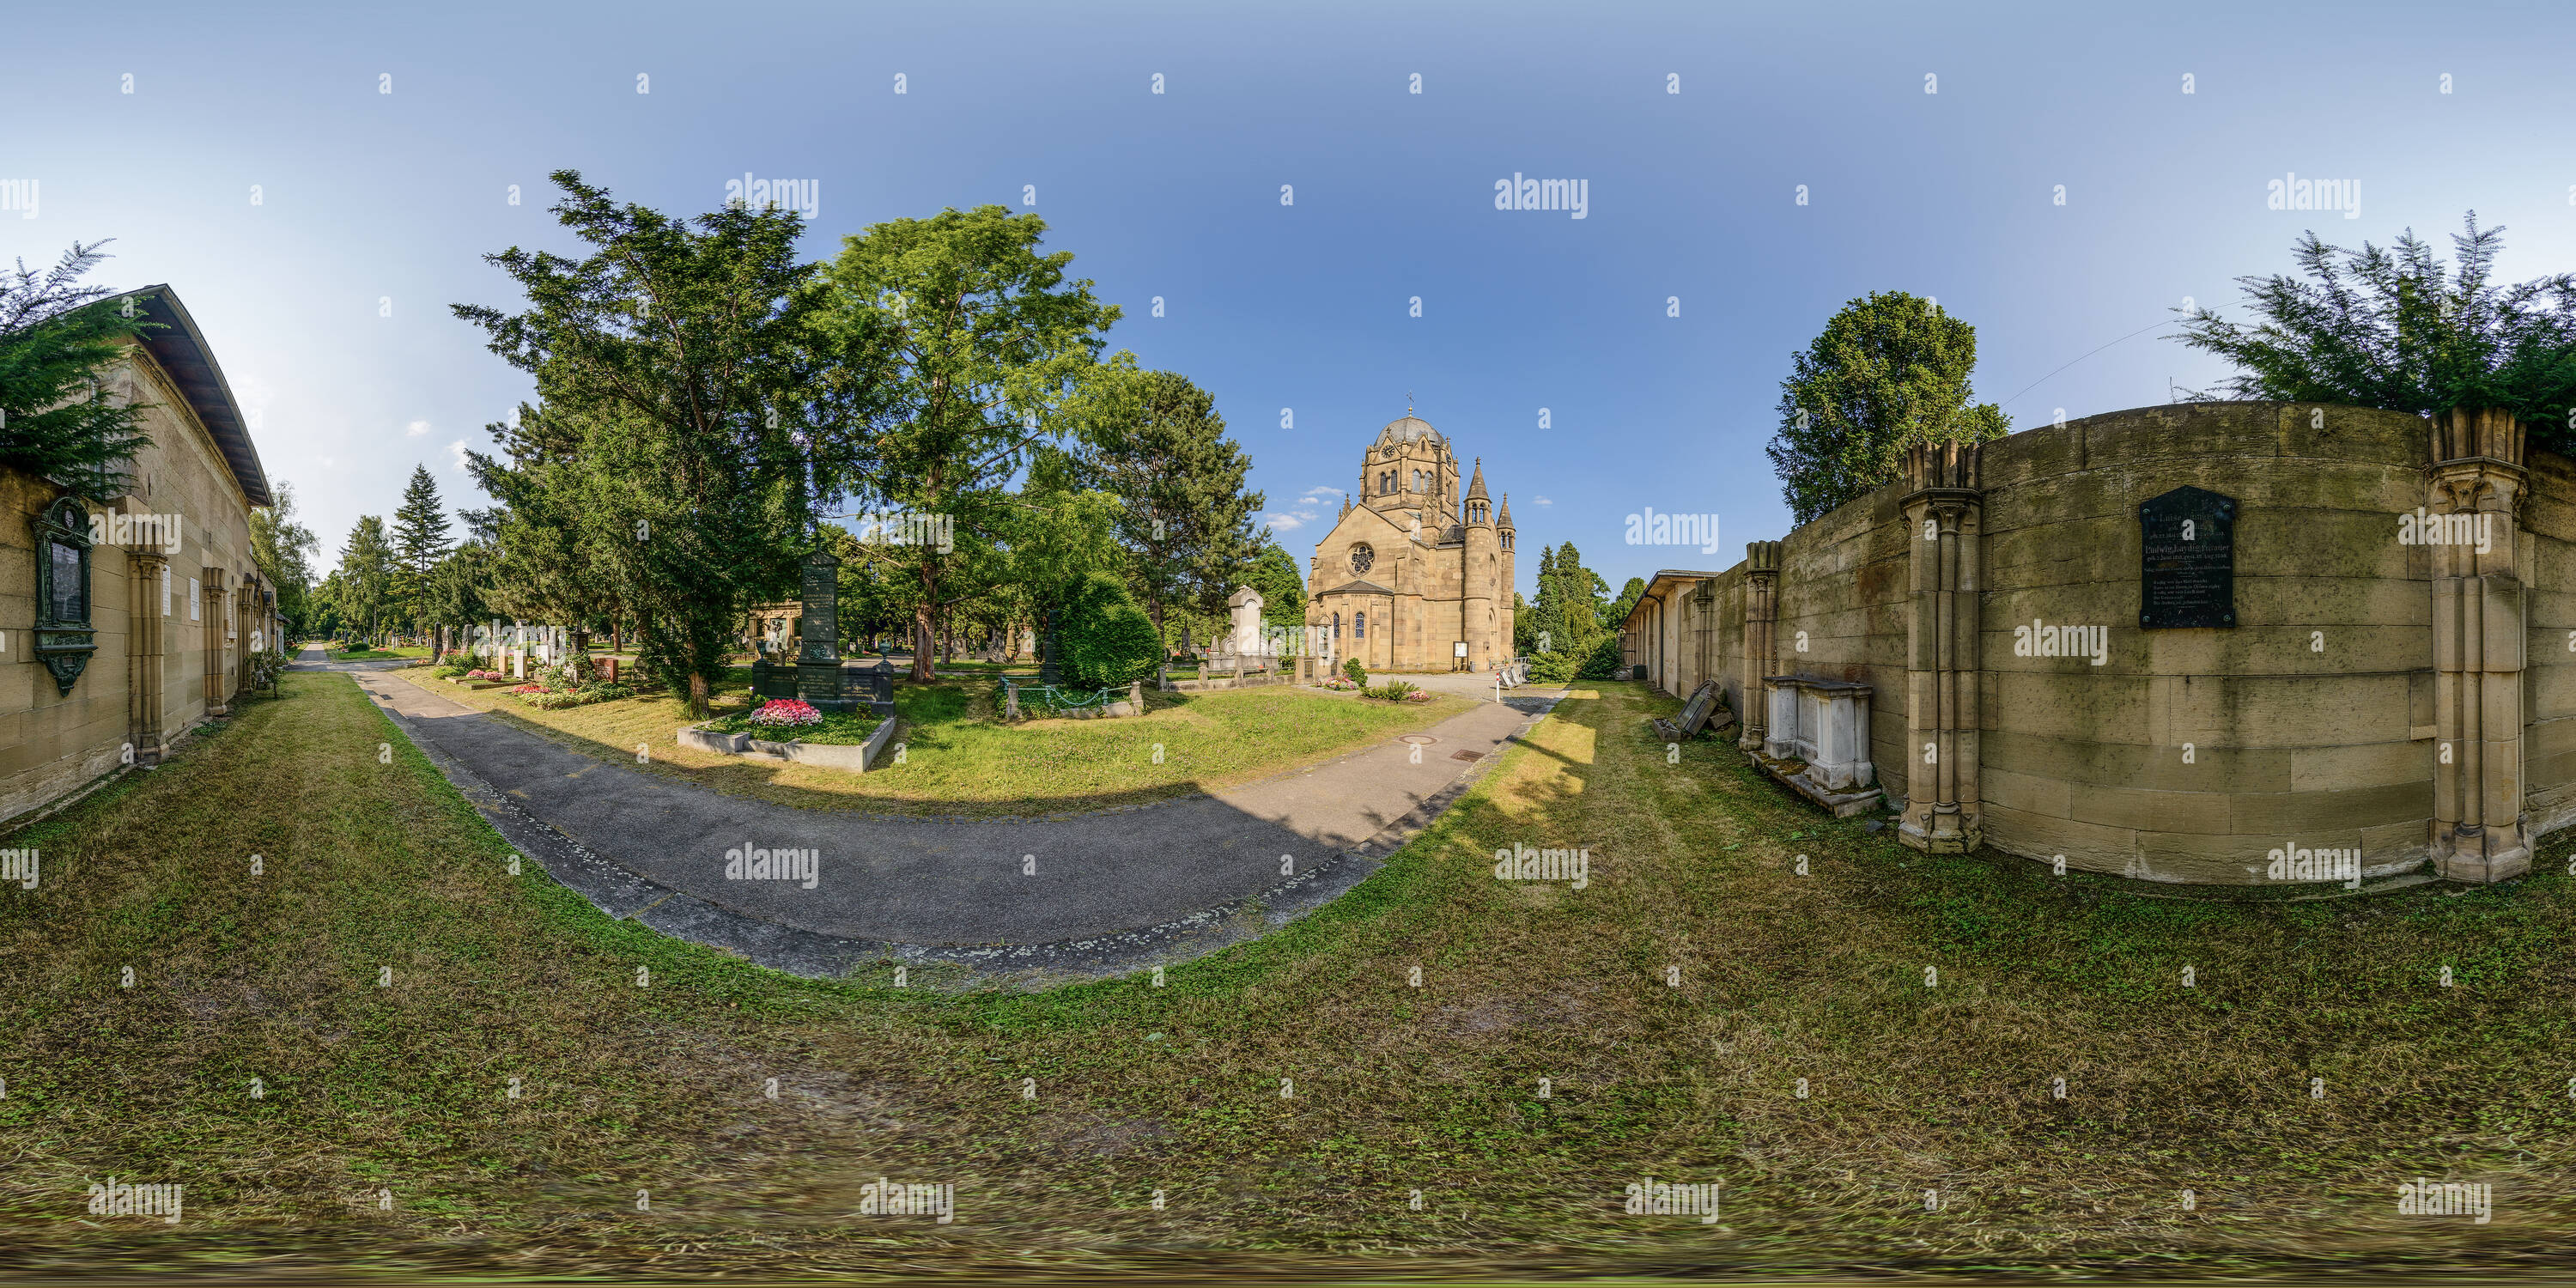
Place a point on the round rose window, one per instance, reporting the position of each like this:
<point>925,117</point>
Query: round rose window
<point>1362,557</point>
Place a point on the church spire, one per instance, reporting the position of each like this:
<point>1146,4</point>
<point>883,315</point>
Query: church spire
<point>1476,489</point>
<point>1504,519</point>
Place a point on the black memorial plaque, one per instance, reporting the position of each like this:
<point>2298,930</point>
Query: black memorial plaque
<point>2187,560</point>
<point>821,622</point>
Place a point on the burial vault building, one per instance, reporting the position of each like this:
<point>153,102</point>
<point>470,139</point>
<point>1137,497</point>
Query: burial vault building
<point>126,620</point>
<point>1416,575</point>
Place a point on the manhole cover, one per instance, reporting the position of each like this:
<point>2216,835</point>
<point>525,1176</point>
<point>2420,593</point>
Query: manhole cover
<point>1418,739</point>
<point>1466,755</point>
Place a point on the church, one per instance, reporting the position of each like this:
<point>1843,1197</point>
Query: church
<point>1415,575</point>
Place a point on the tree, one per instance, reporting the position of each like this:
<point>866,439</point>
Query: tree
<point>419,541</point>
<point>549,559</point>
<point>1283,590</point>
<point>283,550</point>
<point>1889,372</point>
<point>1163,452</point>
<point>2398,329</point>
<point>1570,600</point>
<point>708,413</point>
<point>989,352</point>
<point>365,589</point>
<point>57,419</point>
<point>1627,600</point>
<point>1107,639</point>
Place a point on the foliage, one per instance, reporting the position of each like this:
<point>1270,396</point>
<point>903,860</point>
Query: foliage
<point>1553,667</point>
<point>1354,672</point>
<point>2400,330</point>
<point>419,543</point>
<point>58,419</point>
<point>695,409</point>
<point>1160,448</point>
<point>1106,640</point>
<point>786,713</point>
<point>1283,590</point>
<point>1625,603</point>
<point>1568,614</point>
<point>283,549</point>
<point>978,351</point>
<point>1889,371</point>
<point>1397,691</point>
<point>1603,661</point>
<point>361,588</point>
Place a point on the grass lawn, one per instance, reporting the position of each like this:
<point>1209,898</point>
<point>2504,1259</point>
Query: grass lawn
<point>1058,1115</point>
<point>958,763</point>
<point>376,654</point>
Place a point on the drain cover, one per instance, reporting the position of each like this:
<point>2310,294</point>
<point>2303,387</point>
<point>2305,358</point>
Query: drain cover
<point>1466,755</point>
<point>1418,739</point>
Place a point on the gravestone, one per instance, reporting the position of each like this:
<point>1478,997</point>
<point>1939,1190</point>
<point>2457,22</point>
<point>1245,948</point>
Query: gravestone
<point>1245,604</point>
<point>818,659</point>
<point>1695,713</point>
<point>2187,560</point>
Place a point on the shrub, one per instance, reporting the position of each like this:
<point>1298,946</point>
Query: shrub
<point>1604,662</point>
<point>606,692</point>
<point>1357,673</point>
<point>1394,691</point>
<point>1105,640</point>
<point>1553,668</point>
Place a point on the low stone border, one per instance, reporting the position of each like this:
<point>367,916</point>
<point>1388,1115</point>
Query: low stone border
<point>855,758</point>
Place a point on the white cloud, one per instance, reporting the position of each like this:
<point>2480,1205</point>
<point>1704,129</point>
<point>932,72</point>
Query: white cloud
<point>416,428</point>
<point>1285,522</point>
<point>1313,492</point>
<point>1542,500</point>
<point>458,447</point>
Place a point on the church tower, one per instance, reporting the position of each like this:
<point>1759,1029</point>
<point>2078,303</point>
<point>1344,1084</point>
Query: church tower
<point>1477,573</point>
<point>1505,540</point>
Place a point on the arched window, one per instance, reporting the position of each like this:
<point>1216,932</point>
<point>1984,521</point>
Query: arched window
<point>1337,626</point>
<point>1359,626</point>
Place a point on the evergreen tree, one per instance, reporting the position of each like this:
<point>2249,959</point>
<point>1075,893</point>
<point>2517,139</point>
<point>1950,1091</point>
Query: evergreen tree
<point>1890,371</point>
<point>419,541</point>
<point>1163,452</point>
<point>58,420</point>
<point>2396,329</point>
<point>366,576</point>
<point>705,413</point>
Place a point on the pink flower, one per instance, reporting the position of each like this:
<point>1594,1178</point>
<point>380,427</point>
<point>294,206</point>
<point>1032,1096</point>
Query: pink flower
<point>788,712</point>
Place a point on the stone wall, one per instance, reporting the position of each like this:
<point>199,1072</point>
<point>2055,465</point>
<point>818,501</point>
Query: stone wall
<point>2319,721</point>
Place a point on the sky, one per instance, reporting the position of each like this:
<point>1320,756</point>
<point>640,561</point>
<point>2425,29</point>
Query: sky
<point>318,184</point>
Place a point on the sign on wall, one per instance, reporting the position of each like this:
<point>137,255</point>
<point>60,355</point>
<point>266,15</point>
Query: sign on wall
<point>2187,560</point>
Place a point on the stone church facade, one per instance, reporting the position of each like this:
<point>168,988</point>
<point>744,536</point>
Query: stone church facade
<point>1415,567</point>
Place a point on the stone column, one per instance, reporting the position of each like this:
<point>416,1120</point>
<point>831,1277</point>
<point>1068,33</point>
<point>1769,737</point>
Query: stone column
<point>147,642</point>
<point>1944,519</point>
<point>2479,828</point>
<point>1761,611</point>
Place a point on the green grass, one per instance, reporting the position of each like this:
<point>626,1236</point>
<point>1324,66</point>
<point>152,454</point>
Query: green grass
<point>1396,1088</point>
<point>375,654</point>
<point>958,761</point>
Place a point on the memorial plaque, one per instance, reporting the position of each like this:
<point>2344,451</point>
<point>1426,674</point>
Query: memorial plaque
<point>821,623</point>
<point>2187,558</point>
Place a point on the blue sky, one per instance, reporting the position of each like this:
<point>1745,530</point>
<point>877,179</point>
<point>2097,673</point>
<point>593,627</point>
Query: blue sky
<point>369,196</point>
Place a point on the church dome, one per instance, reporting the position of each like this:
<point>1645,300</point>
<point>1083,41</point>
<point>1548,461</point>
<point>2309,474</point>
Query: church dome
<point>1407,429</point>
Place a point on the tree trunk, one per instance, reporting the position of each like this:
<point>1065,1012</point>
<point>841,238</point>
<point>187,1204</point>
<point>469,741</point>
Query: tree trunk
<point>921,644</point>
<point>698,695</point>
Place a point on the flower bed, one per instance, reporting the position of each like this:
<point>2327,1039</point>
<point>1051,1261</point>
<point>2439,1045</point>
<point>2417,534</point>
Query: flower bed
<point>791,720</point>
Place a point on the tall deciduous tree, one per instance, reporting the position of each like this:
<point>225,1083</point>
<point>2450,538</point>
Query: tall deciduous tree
<point>1162,451</point>
<point>1283,591</point>
<point>2399,329</point>
<point>366,576</point>
<point>1889,371</point>
<point>712,414</point>
<point>283,549</point>
<point>989,351</point>
<point>58,420</point>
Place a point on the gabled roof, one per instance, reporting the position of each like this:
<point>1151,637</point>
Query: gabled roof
<point>182,351</point>
<point>1357,588</point>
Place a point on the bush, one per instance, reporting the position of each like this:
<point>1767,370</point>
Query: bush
<point>1605,661</point>
<point>1553,668</point>
<point>1105,641</point>
<point>1356,673</point>
<point>606,692</point>
<point>1393,691</point>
